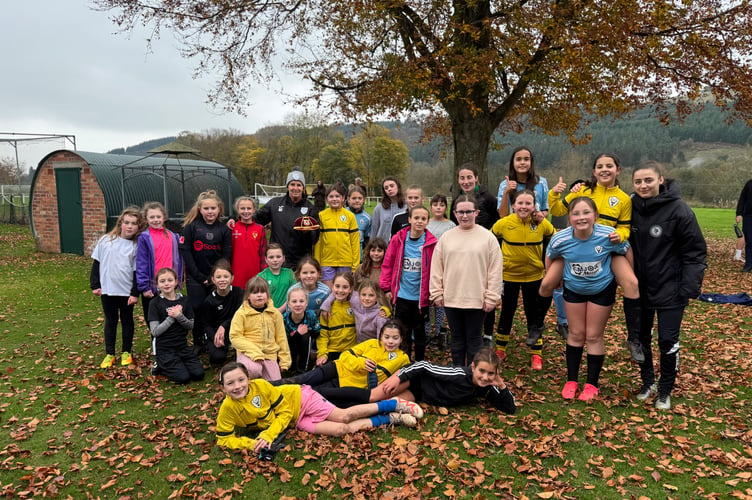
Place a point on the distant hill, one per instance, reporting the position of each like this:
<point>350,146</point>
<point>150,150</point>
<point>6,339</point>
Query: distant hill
<point>144,147</point>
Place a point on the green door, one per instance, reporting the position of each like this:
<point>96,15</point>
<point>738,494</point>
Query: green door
<point>70,210</point>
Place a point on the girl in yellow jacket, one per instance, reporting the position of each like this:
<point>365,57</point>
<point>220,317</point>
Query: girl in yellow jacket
<point>363,366</point>
<point>338,327</point>
<point>257,333</point>
<point>522,241</point>
<point>338,248</point>
<point>257,405</point>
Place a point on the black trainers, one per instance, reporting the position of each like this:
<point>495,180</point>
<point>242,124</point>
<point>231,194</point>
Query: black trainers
<point>533,334</point>
<point>155,369</point>
<point>563,329</point>
<point>635,350</point>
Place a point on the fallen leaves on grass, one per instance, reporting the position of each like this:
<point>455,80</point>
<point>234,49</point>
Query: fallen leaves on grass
<point>550,449</point>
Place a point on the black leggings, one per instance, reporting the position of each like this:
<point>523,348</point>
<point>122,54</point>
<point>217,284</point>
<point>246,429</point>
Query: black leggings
<point>669,325</point>
<point>115,307</point>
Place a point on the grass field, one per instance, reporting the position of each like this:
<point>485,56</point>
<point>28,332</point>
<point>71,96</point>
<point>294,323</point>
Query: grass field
<point>72,430</point>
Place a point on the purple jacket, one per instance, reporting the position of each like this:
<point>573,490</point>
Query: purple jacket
<point>391,268</point>
<point>145,262</point>
<point>368,323</point>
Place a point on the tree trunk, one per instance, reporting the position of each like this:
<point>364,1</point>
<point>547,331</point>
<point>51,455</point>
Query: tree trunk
<point>471,137</point>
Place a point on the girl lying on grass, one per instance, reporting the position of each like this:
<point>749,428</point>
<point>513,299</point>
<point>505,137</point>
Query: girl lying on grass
<point>438,385</point>
<point>257,405</point>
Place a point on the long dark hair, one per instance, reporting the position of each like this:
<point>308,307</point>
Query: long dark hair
<point>386,202</point>
<point>532,177</point>
<point>593,181</point>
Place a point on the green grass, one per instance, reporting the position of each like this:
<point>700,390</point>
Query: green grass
<point>70,429</point>
<point>716,222</point>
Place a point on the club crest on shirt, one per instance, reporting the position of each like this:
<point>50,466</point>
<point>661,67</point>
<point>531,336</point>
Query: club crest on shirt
<point>598,249</point>
<point>280,208</point>
<point>343,218</point>
<point>209,236</point>
<point>613,201</point>
<point>303,210</point>
<point>392,356</point>
<point>254,235</point>
<point>656,231</point>
<point>256,401</point>
<point>349,311</point>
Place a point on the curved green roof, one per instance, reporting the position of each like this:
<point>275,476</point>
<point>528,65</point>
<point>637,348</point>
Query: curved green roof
<point>133,180</point>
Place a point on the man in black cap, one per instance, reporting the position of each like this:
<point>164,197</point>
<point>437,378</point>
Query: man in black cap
<point>293,218</point>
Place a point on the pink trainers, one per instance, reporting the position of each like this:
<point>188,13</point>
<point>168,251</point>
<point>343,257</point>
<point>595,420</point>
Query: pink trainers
<point>588,393</point>
<point>502,355</point>
<point>570,389</point>
<point>536,362</point>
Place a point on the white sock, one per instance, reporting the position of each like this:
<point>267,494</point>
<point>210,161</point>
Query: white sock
<point>737,254</point>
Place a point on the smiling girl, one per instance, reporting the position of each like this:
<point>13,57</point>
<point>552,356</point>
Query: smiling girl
<point>158,247</point>
<point>522,248</point>
<point>205,241</point>
<point>112,279</point>
<point>218,309</point>
<point>466,279</point>
<point>248,243</point>
<point>363,366</point>
<point>338,248</point>
<point>373,258</point>
<point>338,327</point>
<point>439,385</point>
<point>589,290</point>
<point>522,176</point>
<point>615,210</point>
<point>170,318</point>
<point>258,333</point>
<point>670,261</point>
<point>301,325</point>
<point>405,275</point>
<point>259,406</point>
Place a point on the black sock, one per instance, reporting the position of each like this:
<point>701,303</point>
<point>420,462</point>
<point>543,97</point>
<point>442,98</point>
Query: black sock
<point>574,357</point>
<point>632,318</point>
<point>594,365</point>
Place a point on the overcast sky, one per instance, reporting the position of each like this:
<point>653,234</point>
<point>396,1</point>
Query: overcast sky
<point>67,71</point>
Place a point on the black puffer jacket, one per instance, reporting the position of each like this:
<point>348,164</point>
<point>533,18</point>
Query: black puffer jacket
<point>669,249</point>
<point>281,212</point>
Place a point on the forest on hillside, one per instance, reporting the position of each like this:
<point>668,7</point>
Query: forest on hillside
<point>708,153</point>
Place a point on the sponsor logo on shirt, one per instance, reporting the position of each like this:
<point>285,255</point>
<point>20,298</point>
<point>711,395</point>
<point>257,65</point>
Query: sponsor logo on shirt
<point>200,245</point>
<point>410,265</point>
<point>586,269</point>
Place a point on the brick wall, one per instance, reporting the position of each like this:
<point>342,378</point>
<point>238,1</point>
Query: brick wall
<point>44,204</point>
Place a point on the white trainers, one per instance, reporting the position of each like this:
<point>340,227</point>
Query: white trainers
<point>405,419</point>
<point>646,392</point>
<point>663,403</point>
<point>409,407</point>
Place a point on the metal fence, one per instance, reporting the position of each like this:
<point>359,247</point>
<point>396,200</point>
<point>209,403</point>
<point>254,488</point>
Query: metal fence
<point>14,204</point>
